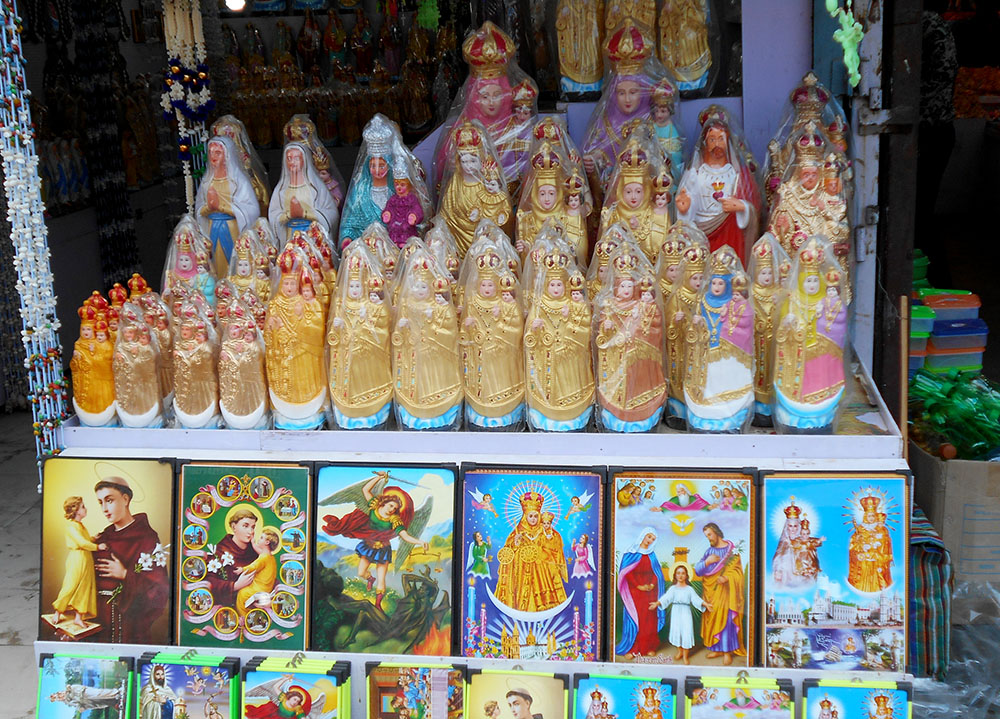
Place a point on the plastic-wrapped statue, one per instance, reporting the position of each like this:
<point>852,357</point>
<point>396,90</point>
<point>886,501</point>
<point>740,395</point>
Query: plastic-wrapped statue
<point>631,201</point>
<point>294,334</point>
<point>490,94</point>
<point>684,41</point>
<point>559,379</point>
<point>243,262</point>
<point>302,129</point>
<point>680,310</point>
<point>669,262</point>
<point>426,363</point>
<point>335,38</point>
<point>243,375</point>
<point>196,383</point>
<point>601,261</point>
<point>797,214</point>
<point>225,203</point>
<point>664,105</point>
<point>719,191</point>
<point>640,12</point>
<point>91,367</point>
<point>187,260</point>
<point>473,192</point>
<point>360,366</point>
<point>769,268</point>
<point>136,370</point>
<point>491,328</point>
<point>628,322</point>
<point>231,127</point>
<point>404,212</point>
<point>157,317</point>
<point>300,196</point>
<point>811,335</point>
<point>543,199</point>
<point>579,32</point>
<point>718,379</point>
<point>625,101</point>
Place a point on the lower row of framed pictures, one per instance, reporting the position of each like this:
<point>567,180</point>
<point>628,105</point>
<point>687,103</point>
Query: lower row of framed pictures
<point>694,567</point>
<point>169,685</point>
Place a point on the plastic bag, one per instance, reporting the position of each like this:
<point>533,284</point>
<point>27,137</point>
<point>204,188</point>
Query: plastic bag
<point>679,310</point>
<point>91,365</point>
<point>769,270</point>
<point>157,316</point>
<point>580,36</point>
<point>233,128</point>
<point>189,260</point>
<point>196,383</point>
<point>628,343</point>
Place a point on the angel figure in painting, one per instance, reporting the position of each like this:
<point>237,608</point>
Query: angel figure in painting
<point>285,700</point>
<point>483,502</point>
<point>382,513</point>
<point>479,559</point>
<point>579,504</point>
<point>583,557</point>
<point>870,550</point>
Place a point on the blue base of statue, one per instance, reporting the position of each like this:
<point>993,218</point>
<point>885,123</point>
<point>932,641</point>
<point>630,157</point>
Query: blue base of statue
<point>613,424</point>
<point>799,418</point>
<point>676,414</point>
<point>572,86</point>
<point>510,421</point>
<point>315,421</point>
<point>686,86</point>
<point>726,425</point>
<point>539,421</point>
<point>374,421</point>
<point>763,412</point>
<point>443,422</point>
<point>214,423</point>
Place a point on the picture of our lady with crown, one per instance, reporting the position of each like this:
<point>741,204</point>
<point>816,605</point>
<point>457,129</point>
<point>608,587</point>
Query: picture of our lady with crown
<point>528,604</point>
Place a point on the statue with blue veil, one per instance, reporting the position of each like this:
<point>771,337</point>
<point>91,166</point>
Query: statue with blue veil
<point>371,186</point>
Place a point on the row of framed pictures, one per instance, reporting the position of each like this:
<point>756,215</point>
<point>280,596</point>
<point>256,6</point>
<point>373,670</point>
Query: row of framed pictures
<point>692,567</point>
<point>182,686</point>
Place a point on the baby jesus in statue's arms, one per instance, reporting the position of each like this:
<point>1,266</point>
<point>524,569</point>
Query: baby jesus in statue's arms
<point>265,570</point>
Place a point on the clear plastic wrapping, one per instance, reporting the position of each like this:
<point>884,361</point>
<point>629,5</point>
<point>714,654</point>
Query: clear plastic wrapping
<point>690,43</point>
<point>136,367</point>
<point>491,326</point>
<point>809,374</point>
<point>679,310</point>
<point>426,363</point>
<point>243,399</point>
<point>189,260</point>
<point>300,197</point>
<point>157,316</point>
<point>233,128</point>
<point>196,383</point>
<point>91,365</point>
<point>359,351</point>
<point>680,236</point>
<point>769,270</point>
<point>718,376</point>
<point>580,38</point>
<point>301,128</point>
<point>628,343</point>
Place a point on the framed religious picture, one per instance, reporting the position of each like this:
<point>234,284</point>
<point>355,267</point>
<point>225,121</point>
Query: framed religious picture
<point>834,551</point>
<point>532,546</point>
<point>825,699</point>
<point>171,686</point>
<point>683,545</point>
<point>415,691</point>
<point>107,564</point>
<point>616,697</point>
<point>83,686</point>
<point>495,694</point>
<point>384,537</point>
<point>244,553</point>
<point>719,697</point>
<point>278,688</point>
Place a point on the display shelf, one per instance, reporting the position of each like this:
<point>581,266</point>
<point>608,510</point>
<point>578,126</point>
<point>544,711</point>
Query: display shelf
<point>358,662</point>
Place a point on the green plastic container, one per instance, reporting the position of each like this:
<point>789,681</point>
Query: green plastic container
<point>920,266</point>
<point>921,319</point>
<point>923,292</point>
<point>968,370</point>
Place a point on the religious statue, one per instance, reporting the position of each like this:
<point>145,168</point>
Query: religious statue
<point>231,127</point>
<point>869,567</point>
<point>668,263</point>
<point>718,191</point>
<point>360,368</point>
<point>684,42</point>
<point>335,38</point>
<point>426,363</point>
<point>91,368</point>
<point>769,268</point>
<point>631,200</point>
<point>156,315</point>
<point>188,260</point>
<point>718,377</point>
<point>196,384</point>
<point>497,94</point>
<point>294,339</point>
<point>641,13</point>
<point>136,371</point>
<point>557,334</point>
<point>301,129</point>
<point>832,203</point>
<point>543,200</point>
<point>664,110</point>
<point>308,42</point>
<point>243,398</point>
<point>625,100</point>
<point>797,214</point>
<point>404,212</point>
<point>300,196</point>
<point>532,577</point>
<point>580,37</point>
<point>466,199</point>
<point>631,386</point>
<point>680,310</point>
<point>361,43</point>
<point>811,334</point>
<point>491,329</point>
<point>600,263</point>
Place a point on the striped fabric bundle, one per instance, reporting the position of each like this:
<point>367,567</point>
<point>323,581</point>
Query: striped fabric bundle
<point>932,582</point>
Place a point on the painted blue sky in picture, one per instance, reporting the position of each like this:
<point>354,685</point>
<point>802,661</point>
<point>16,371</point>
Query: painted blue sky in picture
<point>834,556</point>
<point>857,702</point>
<point>93,687</point>
<point>530,586</point>
<point>188,685</point>
<point>625,697</point>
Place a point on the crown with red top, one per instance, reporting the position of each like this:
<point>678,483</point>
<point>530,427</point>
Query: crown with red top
<point>809,98</point>
<point>869,503</point>
<point>628,49</point>
<point>739,282</point>
<point>525,93</point>
<point>355,267</point>
<point>137,286</point>
<point>646,284</point>
<point>604,248</point>
<point>287,261</point>
<point>306,278</point>
<point>243,245</point>
<point>811,255</point>
<point>488,51</point>
<point>695,256</point>
<point>491,169</point>
<point>825,703</point>
<point>626,263</point>
<point>714,114</point>
<point>672,250</point>
<point>546,162</point>
<point>882,701</point>
<point>489,263</point>
<point>832,166</point>
<point>663,94</point>
<point>833,277</point>
<point>650,692</point>
<point>118,295</point>
<point>185,242</point>
<point>468,138</point>
<point>532,501</point>
<point>376,283</point>
<point>300,128</point>
<point>763,250</point>
<point>88,314</point>
<point>596,694</point>
<point>101,326</point>
<point>837,131</point>
<point>556,264</point>
<point>97,301</point>
<point>264,262</point>
<point>577,281</point>
<point>663,182</point>
<point>508,282</point>
<point>575,184</point>
<point>632,161</point>
<point>548,129</point>
<point>809,145</point>
<point>793,511</point>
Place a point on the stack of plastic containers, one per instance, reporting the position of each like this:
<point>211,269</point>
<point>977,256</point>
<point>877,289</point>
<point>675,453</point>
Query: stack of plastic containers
<point>958,337</point>
<point>921,324</point>
<point>920,265</point>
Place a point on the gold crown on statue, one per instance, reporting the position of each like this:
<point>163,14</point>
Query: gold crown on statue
<point>663,182</point>
<point>300,129</point>
<point>833,166</point>
<point>811,255</point>
<point>355,267</point>
<point>837,130</point>
<point>695,256</point>
<point>287,261</point>
<point>488,51</point>
<point>185,242</point>
<point>118,295</point>
<point>724,260</point>
<point>376,283</point>
<point>764,250</point>
<point>632,161</point>
<point>421,269</point>
<point>556,264</point>
<point>784,269</point>
<point>577,281</point>
<point>137,285</point>
<point>739,282</point>
<point>663,93</point>
<point>575,184</point>
<point>491,170</point>
<point>488,263</point>
<point>508,283</point>
<point>243,245</point>
<point>833,277</point>
<point>628,49</point>
<point>532,501</point>
<point>545,162</point>
<point>468,139</point>
<point>714,114</point>
<point>809,98</point>
<point>525,92</point>
<point>809,146</point>
<point>596,694</point>
<point>672,250</point>
<point>604,248</point>
<point>625,263</point>
<point>548,129</point>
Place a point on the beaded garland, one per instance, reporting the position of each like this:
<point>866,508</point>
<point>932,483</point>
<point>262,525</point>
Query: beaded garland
<point>22,188</point>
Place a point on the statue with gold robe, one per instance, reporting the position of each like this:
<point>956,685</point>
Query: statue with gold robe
<point>684,45</point>
<point>679,311</point>
<point>526,582</point>
<point>137,383</point>
<point>91,367</point>
<point>631,201</point>
<point>243,376</point>
<point>580,37</point>
<point>769,268</point>
<point>869,567</point>
<point>196,384</point>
